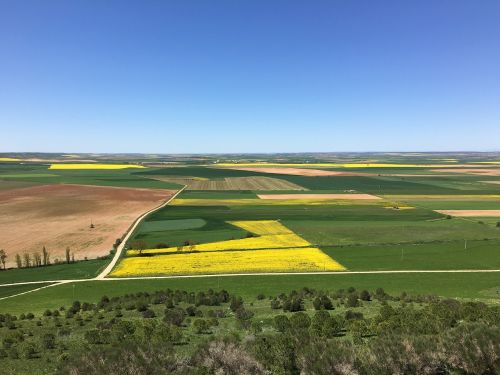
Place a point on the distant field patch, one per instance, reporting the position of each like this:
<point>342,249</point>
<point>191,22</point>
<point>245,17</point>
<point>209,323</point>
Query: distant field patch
<point>474,171</point>
<point>491,182</point>
<point>336,165</point>
<point>9,159</point>
<point>318,196</point>
<point>268,202</point>
<point>470,213</point>
<point>27,175</point>
<point>233,183</point>
<point>94,166</point>
<point>161,225</point>
<point>298,171</point>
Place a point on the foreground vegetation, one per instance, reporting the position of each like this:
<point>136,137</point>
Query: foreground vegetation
<point>307,331</point>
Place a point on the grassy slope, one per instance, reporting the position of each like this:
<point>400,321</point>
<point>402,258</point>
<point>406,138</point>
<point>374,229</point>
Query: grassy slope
<point>6,291</point>
<point>469,285</point>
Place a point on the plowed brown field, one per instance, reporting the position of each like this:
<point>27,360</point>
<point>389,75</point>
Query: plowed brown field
<point>59,216</point>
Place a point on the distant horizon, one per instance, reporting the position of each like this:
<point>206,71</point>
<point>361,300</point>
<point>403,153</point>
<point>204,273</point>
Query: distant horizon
<point>251,153</point>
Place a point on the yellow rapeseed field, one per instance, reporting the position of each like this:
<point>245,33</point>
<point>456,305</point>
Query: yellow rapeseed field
<point>94,166</point>
<point>9,159</point>
<point>273,235</point>
<point>281,260</point>
<point>277,249</point>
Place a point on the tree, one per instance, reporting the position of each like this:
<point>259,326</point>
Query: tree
<point>19,261</point>
<point>37,259</point>
<point>139,245</point>
<point>3,257</point>
<point>46,256</point>
<point>27,260</point>
<point>68,256</point>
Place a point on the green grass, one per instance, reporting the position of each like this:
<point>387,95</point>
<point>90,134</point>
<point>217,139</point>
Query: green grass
<point>210,194</point>
<point>432,256</point>
<point>337,232</point>
<point>119,178</point>
<point>463,285</point>
<point>211,173</point>
<point>78,270</point>
<point>6,291</point>
<point>457,205</point>
<point>167,225</point>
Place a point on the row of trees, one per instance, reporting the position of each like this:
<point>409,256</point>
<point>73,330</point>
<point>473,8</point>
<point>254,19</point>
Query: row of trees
<point>141,245</point>
<point>35,259</point>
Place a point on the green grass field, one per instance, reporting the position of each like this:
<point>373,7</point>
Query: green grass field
<point>79,270</point>
<point>463,285</point>
<point>450,255</point>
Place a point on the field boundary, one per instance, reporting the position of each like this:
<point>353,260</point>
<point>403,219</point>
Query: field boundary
<point>129,233</point>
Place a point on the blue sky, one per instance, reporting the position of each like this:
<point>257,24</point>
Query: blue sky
<point>249,76</point>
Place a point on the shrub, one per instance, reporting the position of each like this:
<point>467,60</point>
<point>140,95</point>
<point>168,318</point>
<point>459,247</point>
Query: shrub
<point>281,323</point>
<point>200,326</point>
<point>48,341</point>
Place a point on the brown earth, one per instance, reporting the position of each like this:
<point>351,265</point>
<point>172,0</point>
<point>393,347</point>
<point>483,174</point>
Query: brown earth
<point>318,196</point>
<point>59,216</point>
<point>301,171</point>
<point>471,213</point>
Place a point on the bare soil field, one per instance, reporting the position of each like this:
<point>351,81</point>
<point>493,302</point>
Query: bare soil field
<point>233,183</point>
<point>318,196</point>
<point>471,213</point>
<point>475,171</point>
<point>59,216</point>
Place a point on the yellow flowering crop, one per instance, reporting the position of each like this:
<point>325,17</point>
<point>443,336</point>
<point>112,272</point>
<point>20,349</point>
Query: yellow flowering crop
<point>9,159</point>
<point>277,249</point>
<point>281,260</point>
<point>273,235</point>
<point>94,166</point>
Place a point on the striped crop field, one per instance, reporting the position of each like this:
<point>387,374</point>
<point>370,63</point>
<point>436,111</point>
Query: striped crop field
<point>233,183</point>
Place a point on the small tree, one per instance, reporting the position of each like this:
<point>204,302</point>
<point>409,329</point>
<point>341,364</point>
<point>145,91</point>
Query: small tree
<point>27,260</point>
<point>180,248</point>
<point>3,257</point>
<point>139,245</point>
<point>46,256</point>
<point>68,255</point>
<point>19,261</point>
<point>37,259</point>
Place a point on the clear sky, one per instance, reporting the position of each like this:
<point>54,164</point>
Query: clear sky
<point>249,76</point>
